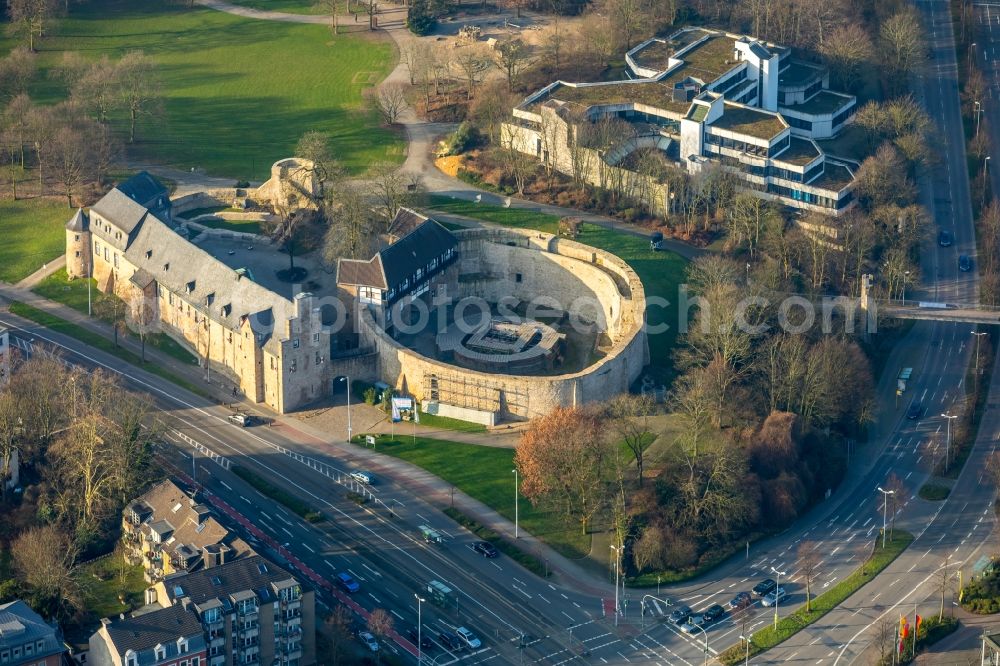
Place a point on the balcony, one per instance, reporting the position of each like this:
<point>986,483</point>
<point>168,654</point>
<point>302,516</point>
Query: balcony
<point>217,640</point>
<point>217,660</point>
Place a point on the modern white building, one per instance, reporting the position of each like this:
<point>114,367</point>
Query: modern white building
<point>704,97</point>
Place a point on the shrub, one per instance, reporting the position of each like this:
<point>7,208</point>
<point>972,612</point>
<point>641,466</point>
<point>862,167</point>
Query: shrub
<point>462,139</point>
<point>369,395</point>
<point>934,492</point>
<point>242,184</point>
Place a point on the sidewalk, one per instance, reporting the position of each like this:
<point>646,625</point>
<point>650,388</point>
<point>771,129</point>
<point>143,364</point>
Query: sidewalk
<point>46,270</point>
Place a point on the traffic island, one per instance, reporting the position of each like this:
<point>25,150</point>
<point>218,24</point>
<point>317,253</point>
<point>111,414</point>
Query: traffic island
<point>770,636</point>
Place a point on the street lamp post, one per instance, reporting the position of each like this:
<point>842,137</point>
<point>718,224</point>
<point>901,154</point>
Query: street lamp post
<point>979,336</point>
<point>947,454</point>
<point>420,635</point>
<point>777,597</point>
<point>347,380</point>
<point>516,503</point>
<point>986,161</point>
<point>979,110</point>
<point>705,634</point>
<point>906,276</point>
<point>885,504</point>
<point>617,560</point>
<point>746,660</point>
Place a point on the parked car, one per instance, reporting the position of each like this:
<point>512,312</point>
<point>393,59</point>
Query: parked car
<point>680,615</point>
<point>369,640</point>
<point>469,638</point>
<point>915,411</point>
<point>764,586</point>
<point>944,239</point>
<point>485,548</point>
<point>741,600</point>
<point>774,596</point>
<point>693,624</point>
<point>964,264</point>
<point>425,641</point>
<point>363,477</point>
<point>346,581</point>
<point>450,641</point>
<point>712,614</point>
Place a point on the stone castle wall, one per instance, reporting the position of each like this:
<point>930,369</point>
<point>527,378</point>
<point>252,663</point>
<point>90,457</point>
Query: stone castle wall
<point>585,271</point>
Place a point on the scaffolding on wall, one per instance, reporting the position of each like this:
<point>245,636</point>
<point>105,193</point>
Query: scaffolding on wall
<point>475,393</point>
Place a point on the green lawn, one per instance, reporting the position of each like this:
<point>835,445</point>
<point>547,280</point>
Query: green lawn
<point>33,232</point>
<point>660,272</point>
<point>73,293</point>
<point>484,473</point>
<point>239,92</point>
<point>290,6</point>
<point>88,337</point>
<point>244,226</point>
<point>448,423</point>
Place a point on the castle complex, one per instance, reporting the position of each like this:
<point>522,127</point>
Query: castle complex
<point>400,316</point>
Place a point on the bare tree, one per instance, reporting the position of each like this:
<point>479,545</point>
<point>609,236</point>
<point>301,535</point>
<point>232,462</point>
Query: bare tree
<point>338,632</point>
<point>44,559</point>
<point>808,561</point>
<point>944,577</point>
<point>315,147</point>
<point>140,88</point>
<point>351,233</point>
<point>380,623</point>
<point>388,186</point>
<point>902,43</point>
<point>630,416</point>
<point>628,18</point>
<point>141,318</point>
<point>474,62</point>
<point>388,100</point>
<point>846,50</point>
<point>74,150</point>
<point>512,57</point>
<point>648,549</point>
<point>29,18</point>
<point>16,71</point>
<point>885,635</point>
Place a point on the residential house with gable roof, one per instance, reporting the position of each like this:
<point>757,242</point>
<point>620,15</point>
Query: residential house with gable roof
<point>170,636</point>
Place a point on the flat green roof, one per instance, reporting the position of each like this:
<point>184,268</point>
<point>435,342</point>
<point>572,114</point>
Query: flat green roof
<point>822,102</point>
<point>800,152</point>
<point>835,177</point>
<point>656,55</point>
<point>651,93</point>
<point>744,120</point>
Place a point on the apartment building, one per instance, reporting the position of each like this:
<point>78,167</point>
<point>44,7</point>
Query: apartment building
<point>250,610</point>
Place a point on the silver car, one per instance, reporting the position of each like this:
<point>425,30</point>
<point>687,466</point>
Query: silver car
<point>774,597</point>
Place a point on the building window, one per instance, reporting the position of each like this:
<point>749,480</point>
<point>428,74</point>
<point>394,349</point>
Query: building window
<point>78,255</point>
<point>76,237</point>
<point>17,652</point>
<point>116,260</point>
<point>130,658</point>
<point>517,277</point>
<point>182,645</point>
<point>97,248</point>
<point>295,343</point>
<point>161,652</point>
<point>29,650</point>
<point>5,656</point>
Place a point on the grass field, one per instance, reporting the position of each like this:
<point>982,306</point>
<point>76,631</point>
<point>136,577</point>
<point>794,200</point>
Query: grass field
<point>484,473</point>
<point>660,272</point>
<point>73,293</point>
<point>238,92</point>
<point>33,233</point>
<point>290,6</point>
<point>244,226</point>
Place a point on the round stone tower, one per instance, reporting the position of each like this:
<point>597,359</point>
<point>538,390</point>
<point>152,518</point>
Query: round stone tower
<point>79,249</point>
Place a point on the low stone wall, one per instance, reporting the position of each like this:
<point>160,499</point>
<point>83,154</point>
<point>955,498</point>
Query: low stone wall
<point>529,396</point>
<point>436,408</point>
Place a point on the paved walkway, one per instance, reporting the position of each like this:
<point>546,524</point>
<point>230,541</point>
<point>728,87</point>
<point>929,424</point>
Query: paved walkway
<point>46,270</point>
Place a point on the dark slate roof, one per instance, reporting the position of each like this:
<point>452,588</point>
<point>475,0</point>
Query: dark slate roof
<point>176,263</point>
<point>406,220</point>
<point>19,624</point>
<point>360,272</point>
<point>253,573</point>
<point>159,627</point>
<point>79,221</point>
<point>120,210</point>
<point>143,189</point>
<point>415,250</point>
